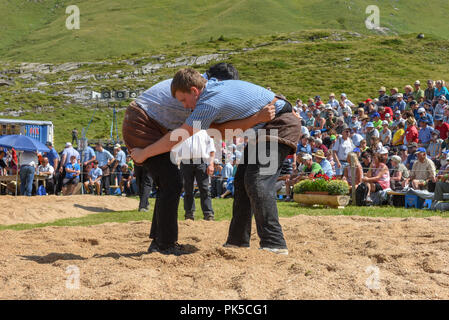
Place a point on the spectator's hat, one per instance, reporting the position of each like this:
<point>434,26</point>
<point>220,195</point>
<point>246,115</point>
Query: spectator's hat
<point>376,100</point>
<point>48,143</point>
<point>423,120</point>
<point>317,132</point>
<point>396,159</point>
<point>316,113</point>
<point>370,125</point>
<point>317,97</point>
<point>319,154</point>
<point>438,117</point>
<point>368,100</point>
<point>417,82</point>
<point>343,95</point>
<point>413,102</point>
<point>345,127</point>
<point>333,137</point>
<point>395,89</point>
<point>354,116</point>
<point>387,115</point>
<point>356,150</point>
<point>420,150</point>
<point>421,110</point>
<point>382,89</point>
<point>397,112</point>
<point>375,114</point>
<point>442,97</point>
<point>68,144</point>
<point>306,156</point>
<point>383,151</point>
<point>309,111</point>
<point>428,102</point>
<point>117,146</point>
<point>403,147</point>
<point>412,145</point>
<point>318,140</point>
<point>365,117</point>
<point>385,122</point>
<point>327,107</point>
<point>216,161</point>
<point>332,95</point>
<point>436,132</point>
<point>399,95</point>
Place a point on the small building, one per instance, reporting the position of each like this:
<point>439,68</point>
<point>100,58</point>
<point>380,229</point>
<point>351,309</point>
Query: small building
<point>39,130</point>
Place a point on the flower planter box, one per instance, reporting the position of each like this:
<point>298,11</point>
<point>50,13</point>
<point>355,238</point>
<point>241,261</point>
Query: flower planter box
<point>318,192</point>
<point>338,201</point>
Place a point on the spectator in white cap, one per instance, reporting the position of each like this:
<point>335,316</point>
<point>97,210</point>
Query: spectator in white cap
<point>344,99</point>
<point>370,132</point>
<point>332,101</point>
<point>423,115</point>
<point>400,103</point>
<point>385,133</point>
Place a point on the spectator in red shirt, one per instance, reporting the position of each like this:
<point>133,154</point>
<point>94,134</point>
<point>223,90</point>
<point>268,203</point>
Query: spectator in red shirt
<point>411,134</point>
<point>384,110</point>
<point>441,126</point>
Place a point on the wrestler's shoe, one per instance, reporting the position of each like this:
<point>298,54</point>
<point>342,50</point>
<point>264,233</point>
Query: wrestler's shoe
<point>176,249</point>
<point>276,250</point>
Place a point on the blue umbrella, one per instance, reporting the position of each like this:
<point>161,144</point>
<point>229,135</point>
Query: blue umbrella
<point>22,143</point>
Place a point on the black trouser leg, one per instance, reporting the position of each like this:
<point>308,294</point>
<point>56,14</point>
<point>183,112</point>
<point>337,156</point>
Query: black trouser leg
<point>144,182</point>
<point>202,180</point>
<point>188,179</point>
<point>254,184</point>
<point>166,175</point>
<point>105,183</point>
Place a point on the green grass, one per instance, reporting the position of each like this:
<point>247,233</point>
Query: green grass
<point>35,30</point>
<point>223,211</point>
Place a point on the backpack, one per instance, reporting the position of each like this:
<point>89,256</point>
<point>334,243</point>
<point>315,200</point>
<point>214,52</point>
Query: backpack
<point>41,191</point>
<point>360,195</point>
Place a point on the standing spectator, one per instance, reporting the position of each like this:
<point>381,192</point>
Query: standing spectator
<point>94,179</point>
<point>27,164</point>
<point>197,155</point>
<point>423,170</point>
<point>68,152</point>
<point>105,159</point>
<point>341,148</point>
<point>53,160</point>
<point>45,169</point>
<point>429,93</point>
<point>71,179</point>
<point>346,101</point>
<point>119,162</point>
<point>87,158</point>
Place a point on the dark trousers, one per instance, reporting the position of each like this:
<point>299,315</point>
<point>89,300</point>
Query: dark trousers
<point>105,183</point>
<point>255,193</point>
<point>189,173</point>
<point>144,184</point>
<point>167,178</point>
<point>217,186</point>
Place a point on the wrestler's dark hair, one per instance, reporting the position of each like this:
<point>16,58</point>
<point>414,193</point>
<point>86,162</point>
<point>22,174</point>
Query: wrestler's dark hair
<point>223,71</point>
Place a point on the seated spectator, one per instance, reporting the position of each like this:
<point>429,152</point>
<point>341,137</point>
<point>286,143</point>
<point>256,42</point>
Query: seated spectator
<point>434,149</point>
<point>403,153</point>
<point>286,172</point>
<point>366,161</point>
<point>370,132</point>
<point>304,146</point>
<point>45,169</point>
<point>400,103</point>
<point>377,122</point>
<point>398,137</point>
<point>383,111</point>
<point>411,134</point>
<point>217,180</point>
<point>126,187</point>
<point>377,178</point>
<point>442,184</point>
<point>423,115</point>
<point>412,155</point>
<point>3,164</point>
<point>385,133</point>
<point>442,127</point>
<point>347,176</point>
<point>320,158</point>
<point>94,179</point>
<point>71,179</point>
<point>356,137</point>
<point>423,171</point>
<point>320,146</point>
<point>425,133</point>
<point>363,146</point>
<point>444,168</point>
<point>399,174</point>
<point>376,144</point>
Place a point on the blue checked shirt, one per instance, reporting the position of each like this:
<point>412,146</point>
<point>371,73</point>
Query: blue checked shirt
<point>223,101</point>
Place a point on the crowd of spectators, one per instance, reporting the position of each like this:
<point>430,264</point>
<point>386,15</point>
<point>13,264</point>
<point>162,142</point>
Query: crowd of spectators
<point>397,140</point>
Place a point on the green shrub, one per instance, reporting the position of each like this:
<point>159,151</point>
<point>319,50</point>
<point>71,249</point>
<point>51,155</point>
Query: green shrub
<point>337,187</point>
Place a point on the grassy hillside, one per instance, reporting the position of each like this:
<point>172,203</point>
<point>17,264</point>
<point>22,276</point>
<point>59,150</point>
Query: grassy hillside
<point>295,64</point>
<point>34,30</point>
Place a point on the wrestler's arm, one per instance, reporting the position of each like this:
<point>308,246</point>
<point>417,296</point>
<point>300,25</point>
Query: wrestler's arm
<point>164,144</point>
<point>266,114</point>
